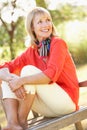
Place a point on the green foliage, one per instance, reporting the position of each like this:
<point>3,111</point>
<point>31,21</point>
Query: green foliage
<point>41,3</point>
<point>4,38</point>
<point>68,12</point>
<point>74,33</point>
<point>19,36</point>
<point>79,53</point>
<point>18,40</point>
<point>4,54</point>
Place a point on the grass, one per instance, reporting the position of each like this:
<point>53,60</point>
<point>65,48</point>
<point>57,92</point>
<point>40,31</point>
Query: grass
<point>81,73</point>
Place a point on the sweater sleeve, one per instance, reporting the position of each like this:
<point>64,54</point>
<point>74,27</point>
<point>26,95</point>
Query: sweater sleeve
<point>16,65</point>
<point>58,52</point>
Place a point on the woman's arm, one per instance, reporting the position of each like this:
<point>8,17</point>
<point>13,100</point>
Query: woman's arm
<point>39,78</point>
<point>5,74</point>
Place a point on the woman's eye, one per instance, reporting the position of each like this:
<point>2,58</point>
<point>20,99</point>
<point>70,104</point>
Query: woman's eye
<point>48,20</point>
<point>39,21</point>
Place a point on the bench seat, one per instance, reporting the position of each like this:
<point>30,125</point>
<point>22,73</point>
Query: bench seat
<point>43,123</point>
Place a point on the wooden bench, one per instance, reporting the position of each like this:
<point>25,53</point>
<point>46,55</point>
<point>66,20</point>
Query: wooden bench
<point>43,123</point>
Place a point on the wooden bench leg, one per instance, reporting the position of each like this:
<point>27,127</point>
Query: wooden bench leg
<point>78,126</point>
<point>35,114</point>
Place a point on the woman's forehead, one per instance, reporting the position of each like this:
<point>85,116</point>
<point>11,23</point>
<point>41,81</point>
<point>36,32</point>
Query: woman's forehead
<point>42,15</point>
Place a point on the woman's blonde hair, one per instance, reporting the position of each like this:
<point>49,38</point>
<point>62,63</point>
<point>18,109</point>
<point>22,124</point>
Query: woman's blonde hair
<point>29,22</point>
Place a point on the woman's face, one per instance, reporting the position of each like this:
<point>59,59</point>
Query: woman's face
<point>42,26</point>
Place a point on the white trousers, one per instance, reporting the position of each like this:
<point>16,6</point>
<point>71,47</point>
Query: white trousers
<point>51,100</point>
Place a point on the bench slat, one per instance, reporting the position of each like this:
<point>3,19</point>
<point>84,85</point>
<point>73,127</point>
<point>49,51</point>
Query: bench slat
<point>58,123</point>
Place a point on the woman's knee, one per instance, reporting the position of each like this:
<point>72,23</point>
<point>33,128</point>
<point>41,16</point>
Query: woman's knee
<point>6,91</point>
<point>29,70</point>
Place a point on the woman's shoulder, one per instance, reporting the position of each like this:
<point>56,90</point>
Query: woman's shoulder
<point>59,40</point>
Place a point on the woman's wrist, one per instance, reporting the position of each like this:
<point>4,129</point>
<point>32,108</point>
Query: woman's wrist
<point>22,80</point>
<point>8,77</point>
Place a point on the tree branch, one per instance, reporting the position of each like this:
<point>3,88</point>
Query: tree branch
<point>5,25</point>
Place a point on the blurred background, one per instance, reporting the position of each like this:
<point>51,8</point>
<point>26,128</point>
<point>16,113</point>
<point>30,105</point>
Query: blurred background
<point>69,17</point>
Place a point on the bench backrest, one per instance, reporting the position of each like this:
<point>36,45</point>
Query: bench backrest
<point>83,83</point>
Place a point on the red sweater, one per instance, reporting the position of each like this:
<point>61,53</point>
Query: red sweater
<point>59,67</point>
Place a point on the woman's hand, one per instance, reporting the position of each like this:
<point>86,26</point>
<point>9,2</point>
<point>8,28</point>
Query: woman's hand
<point>15,82</point>
<point>20,93</point>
